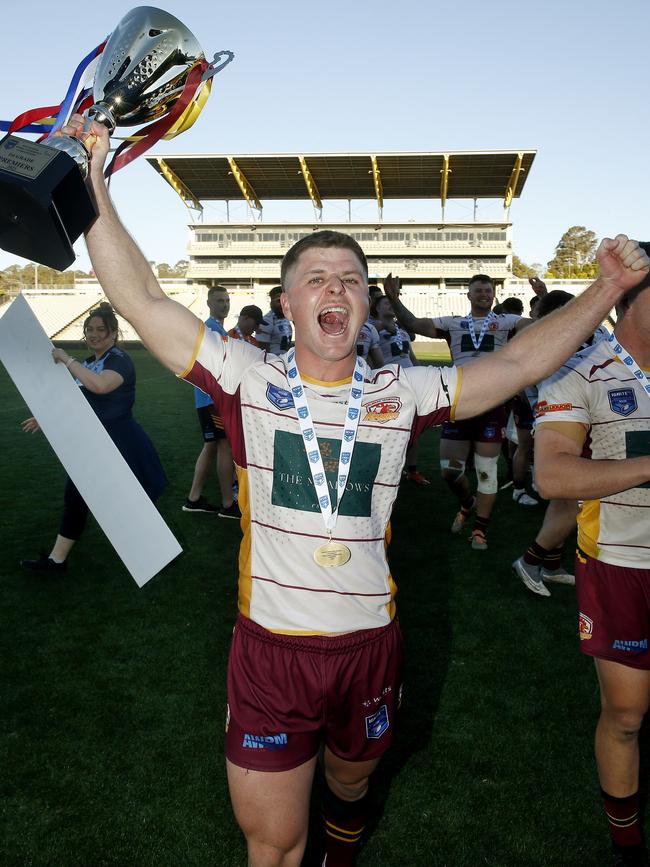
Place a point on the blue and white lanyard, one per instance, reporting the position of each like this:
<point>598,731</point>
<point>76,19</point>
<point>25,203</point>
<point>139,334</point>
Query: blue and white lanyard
<point>619,350</point>
<point>310,441</point>
<point>472,329</point>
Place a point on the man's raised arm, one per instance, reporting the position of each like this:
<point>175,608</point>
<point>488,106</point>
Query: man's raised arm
<point>544,346</point>
<point>167,328</point>
<point>406,319</point>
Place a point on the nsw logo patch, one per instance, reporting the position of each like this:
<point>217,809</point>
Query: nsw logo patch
<point>279,397</point>
<point>377,723</point>
<point>622,401</point>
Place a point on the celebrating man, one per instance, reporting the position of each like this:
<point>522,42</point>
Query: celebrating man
<point>319,441</point>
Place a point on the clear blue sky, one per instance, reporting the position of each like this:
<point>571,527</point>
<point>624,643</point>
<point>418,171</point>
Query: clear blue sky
<point>566,78</point>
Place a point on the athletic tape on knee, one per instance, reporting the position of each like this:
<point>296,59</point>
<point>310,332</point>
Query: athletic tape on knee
<point>451,467</point>
<point>486,472</point>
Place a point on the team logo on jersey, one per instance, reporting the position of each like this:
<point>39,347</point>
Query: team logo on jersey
<point>382,411</point>
<point>630,646</point>
<point>493,326</point>
<point>585,627</point>
<point>279,397</point>
<point>464,324</point>
<point>622,401</point>
<point>271,743</point>
<point>377,723</point>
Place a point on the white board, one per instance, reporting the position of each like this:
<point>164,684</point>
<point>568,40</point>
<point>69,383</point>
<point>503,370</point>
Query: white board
<point>116,498</point>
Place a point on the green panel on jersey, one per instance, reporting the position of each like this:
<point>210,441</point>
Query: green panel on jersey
<point>637,445</point>
<point>487,344</point>
<point>293,486</point>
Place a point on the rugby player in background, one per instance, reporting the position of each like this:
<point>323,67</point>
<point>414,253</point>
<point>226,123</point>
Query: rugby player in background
<point>470,338</point>
<point>593,443</point>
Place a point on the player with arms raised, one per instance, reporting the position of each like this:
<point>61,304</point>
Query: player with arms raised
<point>319,441</point>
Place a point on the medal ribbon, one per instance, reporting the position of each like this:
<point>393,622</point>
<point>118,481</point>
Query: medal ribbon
<point>619,350</point>
<point>472,329</point>
<point>314,457</point>
<point>54,116</point>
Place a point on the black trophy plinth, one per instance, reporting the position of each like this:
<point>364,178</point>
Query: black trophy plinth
<point>44,202</point>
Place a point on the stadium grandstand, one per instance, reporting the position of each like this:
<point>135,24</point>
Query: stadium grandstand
<point>434,259</point>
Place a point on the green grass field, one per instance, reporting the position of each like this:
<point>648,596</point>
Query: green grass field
<point>113,697</point>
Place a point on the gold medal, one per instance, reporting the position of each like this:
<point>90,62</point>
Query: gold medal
<point>332,554</point>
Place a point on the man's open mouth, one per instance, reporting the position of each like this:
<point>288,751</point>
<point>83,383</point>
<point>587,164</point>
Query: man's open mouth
<point>334,320</point>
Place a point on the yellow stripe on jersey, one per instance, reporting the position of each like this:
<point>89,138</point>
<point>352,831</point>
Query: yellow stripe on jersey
<point>195,352</point>
<point>391,607</point>
<point>589,527</point>
<point>245,567</point>
<point>454,403</point>
<point>323,382</point>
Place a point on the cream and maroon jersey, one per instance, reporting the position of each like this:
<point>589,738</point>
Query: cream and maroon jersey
<point>368,339</point>
<point>597,391</point>
<point>460,340</point>
<point>281,587</point>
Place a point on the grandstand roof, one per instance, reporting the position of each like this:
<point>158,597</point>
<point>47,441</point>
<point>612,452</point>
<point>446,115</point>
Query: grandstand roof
<point>445,175</point>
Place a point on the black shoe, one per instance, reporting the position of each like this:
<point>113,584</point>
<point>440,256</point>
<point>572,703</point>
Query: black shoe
<point>44,564</point>
<point>629,856</point>
<point>200,505</point>
<point>232,511</point>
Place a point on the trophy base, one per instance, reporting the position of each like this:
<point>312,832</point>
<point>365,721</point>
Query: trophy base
<point>44,202</point>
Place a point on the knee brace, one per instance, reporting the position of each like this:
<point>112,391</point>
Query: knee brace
<point>486,473</point>
<point>452,470</point>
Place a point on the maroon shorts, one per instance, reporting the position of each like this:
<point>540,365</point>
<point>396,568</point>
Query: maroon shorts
<point>614,604</point>
<point>211,423</point>
<point>289,694</point>
<point>486,428</point>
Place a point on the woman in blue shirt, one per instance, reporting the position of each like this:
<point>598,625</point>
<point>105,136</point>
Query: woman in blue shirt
<point>107,381</point>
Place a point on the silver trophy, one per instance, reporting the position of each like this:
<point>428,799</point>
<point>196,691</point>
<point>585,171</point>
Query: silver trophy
<point>44,202</point>
<point>141,74</point>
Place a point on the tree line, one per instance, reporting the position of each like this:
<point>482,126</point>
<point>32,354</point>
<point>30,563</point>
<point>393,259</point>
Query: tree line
<point>575,258</point>
<point>18,277</point>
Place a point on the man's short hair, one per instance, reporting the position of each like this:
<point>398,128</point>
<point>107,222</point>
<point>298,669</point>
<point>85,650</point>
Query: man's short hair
<point>323,239</point>
<point>373,290</point>
<point>552,301</point>
<point>513,305</point>
<point>277,290</point>
<point>216,289</point>
<point>480,278</point>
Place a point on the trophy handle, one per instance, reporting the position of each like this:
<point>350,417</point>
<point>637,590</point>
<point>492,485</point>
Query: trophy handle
<point>216,66</point>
